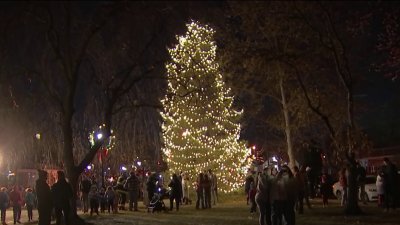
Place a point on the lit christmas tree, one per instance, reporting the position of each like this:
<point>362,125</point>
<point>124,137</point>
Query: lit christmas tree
<point>201,130</point>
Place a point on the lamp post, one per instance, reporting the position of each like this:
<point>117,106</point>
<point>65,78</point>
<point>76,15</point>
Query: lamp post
<point>107,143</point>
<point>99,136</point>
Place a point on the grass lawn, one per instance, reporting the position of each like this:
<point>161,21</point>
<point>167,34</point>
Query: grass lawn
<point>235,212</point>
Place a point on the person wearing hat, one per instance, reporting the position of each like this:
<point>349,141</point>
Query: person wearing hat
<point>62,195</point>
<point>44,198</point>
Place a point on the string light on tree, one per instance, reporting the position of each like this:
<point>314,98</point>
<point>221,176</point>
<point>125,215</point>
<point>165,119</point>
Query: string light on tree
<point>201,130</point>
<point>98,135</point>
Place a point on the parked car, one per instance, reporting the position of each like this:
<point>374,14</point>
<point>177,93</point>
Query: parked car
<point>370,189</point>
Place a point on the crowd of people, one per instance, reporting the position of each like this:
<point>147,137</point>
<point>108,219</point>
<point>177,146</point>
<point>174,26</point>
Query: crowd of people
<point>387,183</point>
<point>278,194</point>
<point>206,190</point>
<point>54,201</point>
<point>130,188</point>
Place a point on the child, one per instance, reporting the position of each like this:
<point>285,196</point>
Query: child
<point>94,200</point>
<point>3,204</point>
<point>116,201</point>
<point>252,197</point>
<point>103,200</point>
<point>110,197</point>
<point>29,202</point>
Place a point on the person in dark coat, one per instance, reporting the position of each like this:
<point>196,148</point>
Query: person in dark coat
<point>176,192</point>
<point>16,203</point>
<point>207,191</point>
<point>62,195</point>
<point>132,184</point>
<point>390,175</point>
<point>151,186</point>
<point>44,199</point>
<point>200,191</point>
<point>85,188</point>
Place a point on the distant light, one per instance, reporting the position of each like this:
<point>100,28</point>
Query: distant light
<point>139,163</point>
<point>108,168</point>
<point>123,168</point>
<point>254,147</point>
<point>99,136</point>
<point>160,176</point>
<point>89,167</point>
<point>37,136</point>
<point>185,133</point>
<point>274,159</point>
<point>159,189</point>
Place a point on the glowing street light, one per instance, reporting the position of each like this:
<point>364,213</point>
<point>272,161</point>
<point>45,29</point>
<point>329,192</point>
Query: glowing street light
<point>139,163</point>
<point>123,168</point>
<point>37,136</point>
<point>99,136</point>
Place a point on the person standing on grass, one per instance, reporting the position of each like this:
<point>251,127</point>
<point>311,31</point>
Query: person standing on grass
<point>207,192</point>
<point>248,181</point>
<point>390,184</point>
<point>29,202</point>
<point>343,185</point>
<point>324,190</point>
<point>200,191</point>
<point>110,197</point>
<point>303,172</point>
<point>283,197</point>
<point>16,202</point>
<point>102,200</point>
<point>252,197</point>
<point>301,186</point>
<point>380,188</point>
<point>175,193</point>
<point>85,188</point>
<point>94,200</point>
<point>185,188</point>
<point>4,202</point>
<point>44,198</point>
<point>151,186</point>
<point>214,186</point>
<point>62,195</point>
<point>132,184</point>
<point>262,197</point>
<point>361,176</point>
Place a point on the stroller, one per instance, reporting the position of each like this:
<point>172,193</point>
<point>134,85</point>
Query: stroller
<point>156,204</point>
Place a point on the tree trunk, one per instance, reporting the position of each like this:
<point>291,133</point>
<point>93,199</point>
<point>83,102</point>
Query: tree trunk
<point>285,110</point>
<point>352,207</point>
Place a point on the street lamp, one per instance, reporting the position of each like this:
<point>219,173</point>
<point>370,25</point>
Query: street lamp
<point>105,142</point>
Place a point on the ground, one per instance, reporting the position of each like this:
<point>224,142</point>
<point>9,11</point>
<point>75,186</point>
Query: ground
<point>236,212</point>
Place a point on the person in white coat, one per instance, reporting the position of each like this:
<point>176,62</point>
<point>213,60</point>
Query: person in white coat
<point>380,188</point>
